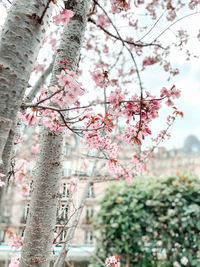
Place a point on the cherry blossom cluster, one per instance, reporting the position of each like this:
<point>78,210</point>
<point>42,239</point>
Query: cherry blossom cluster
<point>170,6</point>
<point>29,116</point>
<point>103,21</point>
<point>63,17</point>
<point>172,93</point>
<point>146,109</point>
<point>15,241</point>
<point>163,134</point>
<point>65,94</point>
<point>71,89</point>
<point>51,120</point>
<point>99,78</point>
<point>15,262</point>
<point>119,5</point>
<point>150,61</point>
<point>20,176</point>
<point>73,186</point>
<point>193,3</point>
<point>96,139</point>
<point>35,148</point>
<point>113,261</point>
<point>137,114</point>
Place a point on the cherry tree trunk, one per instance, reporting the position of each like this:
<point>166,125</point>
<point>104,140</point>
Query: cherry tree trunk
<point>21,39</point>
<point>37,248</point>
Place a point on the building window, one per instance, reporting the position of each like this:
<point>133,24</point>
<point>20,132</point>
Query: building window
<point>22,232</point>
<point>89,214</point>
<point>67,168</point>
<point>2,235</point>
<point>64,212</point>
<point>68,150</point>
<point>25,214</point>
<point>63,235</point>
<point>89,237</point>
<point>90,168</point>
<point>65,191</point>
<point>76,173</point>
<point>91,192</point>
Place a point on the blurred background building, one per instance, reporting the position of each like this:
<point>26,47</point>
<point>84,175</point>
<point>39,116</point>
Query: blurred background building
<point>171,162</point>
<point>164,162</point>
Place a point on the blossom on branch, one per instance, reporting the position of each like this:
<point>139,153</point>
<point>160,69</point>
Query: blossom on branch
<point>73,186</point>
<point>119,5</point>
<point>29,118</point>
<point>15,262</point>
<point>63,17</point>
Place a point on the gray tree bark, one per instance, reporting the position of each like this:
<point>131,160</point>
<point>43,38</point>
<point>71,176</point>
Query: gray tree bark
<point>21,38</point>
<point>37,248</point>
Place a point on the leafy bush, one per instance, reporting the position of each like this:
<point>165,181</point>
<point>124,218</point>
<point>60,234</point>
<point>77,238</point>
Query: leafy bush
<point>152,222</point>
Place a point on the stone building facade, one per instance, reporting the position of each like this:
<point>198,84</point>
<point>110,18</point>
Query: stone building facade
<point>163,162</point>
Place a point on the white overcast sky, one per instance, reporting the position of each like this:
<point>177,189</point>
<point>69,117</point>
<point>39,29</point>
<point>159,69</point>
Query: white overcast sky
<point>188,81</point>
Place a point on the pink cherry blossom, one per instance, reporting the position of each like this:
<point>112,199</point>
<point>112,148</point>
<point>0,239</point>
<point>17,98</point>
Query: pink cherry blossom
<point>99,78</point>
<point>15,241</point>
<point>118,5</point>
<point>164,92</point>
<point>169,102</point>
<point>39,68</point>
<point>63,17</point>
<point>103,21</point>
<point>1,183</point>
<point>15,262</point>
<point>24,189</point>
<point>65,77</point>
<point>116,97</point>
<point>20,175</point>
<point>150,61</point>
<point>1,175</point>
<point>73,186</point>
<point>35,149</point>
<point>29,117</point>
<point>193,3</point>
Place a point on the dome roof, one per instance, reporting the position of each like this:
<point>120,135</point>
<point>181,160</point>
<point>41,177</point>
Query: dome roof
<point>191,145</point>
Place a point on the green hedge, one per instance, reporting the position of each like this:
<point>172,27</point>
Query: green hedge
<point>152,222</point>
